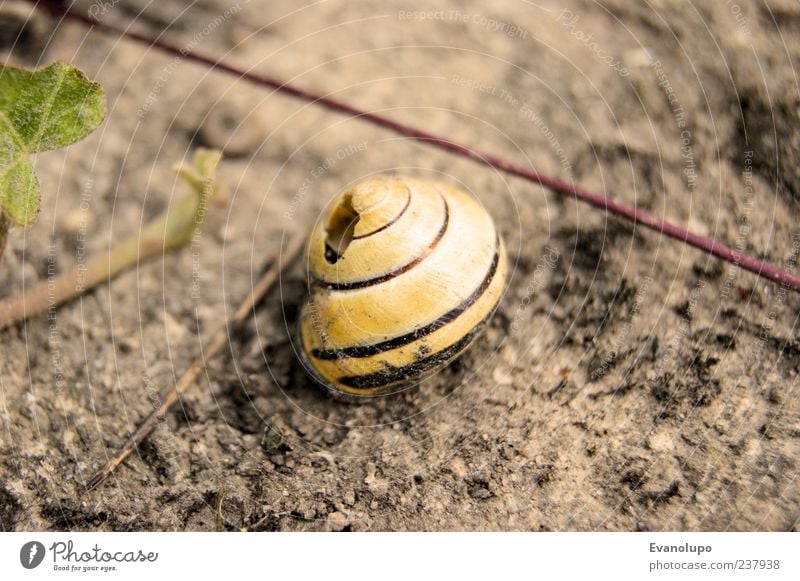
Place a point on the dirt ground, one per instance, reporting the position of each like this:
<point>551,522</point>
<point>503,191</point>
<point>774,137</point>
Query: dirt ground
<point>627,382</point>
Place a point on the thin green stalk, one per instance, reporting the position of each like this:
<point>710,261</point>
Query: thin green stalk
<point>168,231</point>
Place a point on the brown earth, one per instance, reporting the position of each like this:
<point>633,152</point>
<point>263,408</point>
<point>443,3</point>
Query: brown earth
<point>627,383</point>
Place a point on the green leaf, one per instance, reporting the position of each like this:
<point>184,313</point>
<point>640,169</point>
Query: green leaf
<point>40,110</point>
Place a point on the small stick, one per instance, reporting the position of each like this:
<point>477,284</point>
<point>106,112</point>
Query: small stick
<point>4,228</point>
<point>632,213</point>
<point>218,341</point>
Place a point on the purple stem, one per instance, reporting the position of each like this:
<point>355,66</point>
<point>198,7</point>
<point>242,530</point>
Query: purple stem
<point>740,259</point>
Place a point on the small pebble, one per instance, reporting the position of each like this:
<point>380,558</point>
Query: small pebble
<point>272,438</point>
<point>458,467</point>
<point>502,376</point>
<point>336,521</point>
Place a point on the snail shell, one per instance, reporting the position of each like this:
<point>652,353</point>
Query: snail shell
<point>404,275</point>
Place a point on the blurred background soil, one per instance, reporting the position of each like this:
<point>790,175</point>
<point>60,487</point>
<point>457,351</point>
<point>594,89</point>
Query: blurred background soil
<point>627,382</point>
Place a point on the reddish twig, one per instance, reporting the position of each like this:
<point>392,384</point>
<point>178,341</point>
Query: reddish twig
<point>651,221</point>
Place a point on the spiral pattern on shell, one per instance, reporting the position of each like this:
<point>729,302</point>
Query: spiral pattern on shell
<point>404,275</point>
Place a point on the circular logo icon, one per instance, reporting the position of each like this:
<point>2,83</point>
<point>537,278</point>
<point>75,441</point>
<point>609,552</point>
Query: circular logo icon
<point>31,554</point>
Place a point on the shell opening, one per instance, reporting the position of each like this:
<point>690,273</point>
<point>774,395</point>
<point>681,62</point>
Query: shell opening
<point>340,228</point>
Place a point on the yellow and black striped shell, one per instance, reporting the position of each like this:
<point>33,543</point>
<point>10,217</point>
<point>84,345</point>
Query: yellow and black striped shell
<point>404,274</point>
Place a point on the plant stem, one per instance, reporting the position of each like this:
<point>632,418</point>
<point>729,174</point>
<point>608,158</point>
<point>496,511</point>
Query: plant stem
<point>219,340</point>
<point>168,231</point>
<point>635,215</point>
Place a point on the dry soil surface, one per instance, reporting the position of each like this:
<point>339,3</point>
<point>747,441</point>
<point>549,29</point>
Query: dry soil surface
<point>626,383</point>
